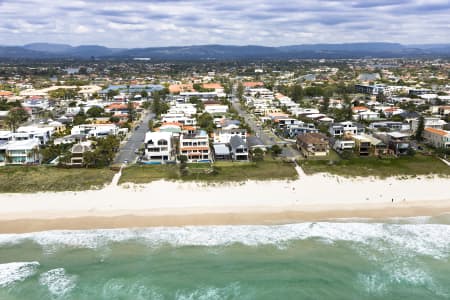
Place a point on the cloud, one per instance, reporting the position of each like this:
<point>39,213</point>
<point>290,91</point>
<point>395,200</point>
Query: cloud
<point>142,23</point>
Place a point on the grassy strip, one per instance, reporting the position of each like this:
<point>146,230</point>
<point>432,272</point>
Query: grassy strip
<point>382,168</point>
<point>219,172</point>
<point>21,179</point>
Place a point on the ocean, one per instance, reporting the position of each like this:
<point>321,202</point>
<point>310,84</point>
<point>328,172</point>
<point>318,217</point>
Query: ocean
<point>344,259</point>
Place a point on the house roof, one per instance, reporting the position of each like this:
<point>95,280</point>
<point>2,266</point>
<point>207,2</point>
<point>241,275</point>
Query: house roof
<point>398,135</point>
<point>252,84</point>
<point>437,131</point>
<point>313,138</point>
<point>212,86</point>
<point>6,93</point>
<point>236,141</point>
<point>221,149</point>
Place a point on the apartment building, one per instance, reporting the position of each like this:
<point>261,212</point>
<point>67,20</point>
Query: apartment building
<point>195,146</point>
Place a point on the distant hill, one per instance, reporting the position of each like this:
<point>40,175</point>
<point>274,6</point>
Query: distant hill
<point>50,48</point>
<point>225,52</point>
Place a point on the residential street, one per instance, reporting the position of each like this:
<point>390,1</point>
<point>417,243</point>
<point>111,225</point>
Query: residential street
<point>134,141</point>
<point>265,135</point>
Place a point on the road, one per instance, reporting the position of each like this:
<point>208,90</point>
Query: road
<point>265,135</point>
<point>134,141</point>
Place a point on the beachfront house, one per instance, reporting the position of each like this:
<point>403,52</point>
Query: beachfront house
<point>22,152</point>
<point>313,144</point>
<point>239,149</point>
<point>77,151</point>
<point>221,152</point>
<point>398,143</point>
<point>437,138</point>
<point>159,147</point>
<point>195,146</point>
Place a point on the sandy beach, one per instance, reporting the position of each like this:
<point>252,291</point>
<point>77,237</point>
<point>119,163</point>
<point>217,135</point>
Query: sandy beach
<point>162,203</point>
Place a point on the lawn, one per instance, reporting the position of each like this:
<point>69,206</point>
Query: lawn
<point>149,173</point>
<point>218,172</point>
<point>372,166</point>
<point>22,179</point>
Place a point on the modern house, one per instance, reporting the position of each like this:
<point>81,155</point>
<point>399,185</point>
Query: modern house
<point>363,145</point>
<point>389,126</point>
<point>216,108</point>
<point>344,145</point>
<point>221,152</point>
<point>159,147</point>
<point>223,136</point>
<point>344,128</point>
<point>398,143</point>
<point>42,134</point>
<point>195,146</point>
<point>437,138</point>
<point>430,122</point>
<point>313,144</point>
<point>19,152</point>
<point>95,130</point>
<point>239,149</point>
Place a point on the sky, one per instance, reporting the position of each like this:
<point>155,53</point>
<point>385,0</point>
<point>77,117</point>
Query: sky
<point>140,23</point>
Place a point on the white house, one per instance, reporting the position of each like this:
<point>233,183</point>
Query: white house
<point>95,130</point>
<point>216,108</point>
<point>339,129</point>
<point>222,136</point>
<point>43,134</point>
<point>341,145</point>
<point>178,118</point>
<point>430,122</point>
<point>159,147</point>
<point>19,152</point>
<point>437,138</point>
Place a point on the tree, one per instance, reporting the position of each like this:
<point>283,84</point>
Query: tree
<point>240,91</point>
<point>95,112</point>
<point>131,111</point>
<point>111,93</point>
<point>15,117</point>
<point>276,150</point>
<point>381,97</point>
<point>150,125</point>
<point>420,129</point>
<point>325,104</point>
<point>183,165</point>
<point>144,94</point>
<point>80,118</point>
<point>158,106</point>
<point>296,93</point>
<point>206,121</point>
<point>227,88</point>
<point>257,155</point>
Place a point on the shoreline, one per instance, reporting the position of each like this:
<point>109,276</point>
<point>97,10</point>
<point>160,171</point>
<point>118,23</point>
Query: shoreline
<point>168,219</point>
<point>316,197</point>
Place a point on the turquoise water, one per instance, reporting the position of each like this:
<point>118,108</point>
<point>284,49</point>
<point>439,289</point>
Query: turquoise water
<point>354,259</point>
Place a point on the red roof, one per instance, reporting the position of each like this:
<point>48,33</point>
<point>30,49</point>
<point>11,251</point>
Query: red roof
<point>252,84</point>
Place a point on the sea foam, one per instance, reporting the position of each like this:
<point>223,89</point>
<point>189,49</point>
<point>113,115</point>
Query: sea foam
<point>58,282</point>
<point>11,273</point>
<point>412,239</point>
